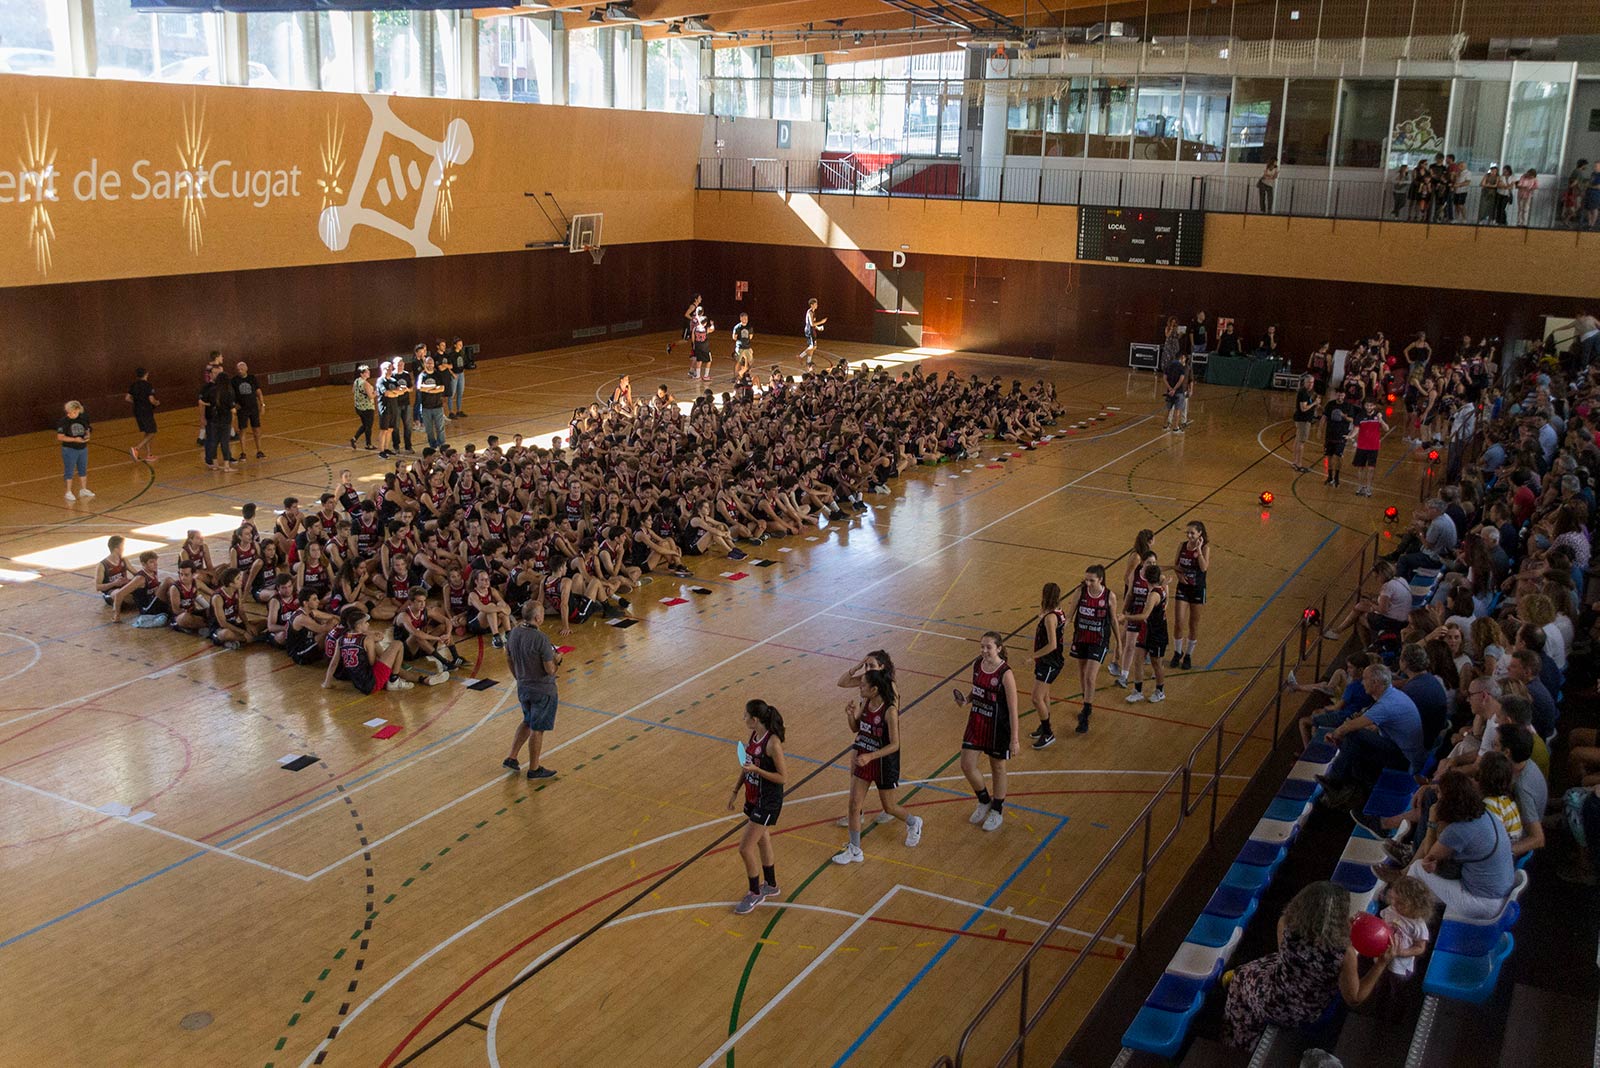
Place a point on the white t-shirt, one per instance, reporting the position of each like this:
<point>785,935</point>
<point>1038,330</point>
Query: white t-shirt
<point>1406,933</point>
<point>1555,645</point>
<point>1397,594</point>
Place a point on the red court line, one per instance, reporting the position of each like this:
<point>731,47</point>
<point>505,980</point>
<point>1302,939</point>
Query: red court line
<point>501,959</point>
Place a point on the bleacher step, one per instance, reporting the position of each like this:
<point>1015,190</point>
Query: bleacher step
<point>1369,1042</point>
<point>1546,1028</point>
<point>1209,1053</point>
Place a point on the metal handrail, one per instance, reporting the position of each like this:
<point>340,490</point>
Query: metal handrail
<point>1035,181</point>
<point>1141,826</point>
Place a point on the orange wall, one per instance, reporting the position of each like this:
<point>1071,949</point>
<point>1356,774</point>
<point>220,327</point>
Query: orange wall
<point>108,144</point>
<point>1554,263</point>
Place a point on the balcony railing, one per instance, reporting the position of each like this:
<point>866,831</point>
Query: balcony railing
<point>941,178</point>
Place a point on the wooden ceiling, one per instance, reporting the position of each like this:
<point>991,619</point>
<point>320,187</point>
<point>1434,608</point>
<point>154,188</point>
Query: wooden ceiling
<point>850,30</point>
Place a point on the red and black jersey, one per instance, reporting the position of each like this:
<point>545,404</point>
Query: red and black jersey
<point>1040,639</point>
<point>456,598</point>
<point>416,618</point>
<point>188,598</point>
<point>989,713</point>
<point>760,793</point>
<point>246,555</point>
<point>115,569</point>
<point>1137,593</point>
<point>1091,623</point>
<point>230,609</point>
<point>872,729</point>
<point>574,507</point>
<point>400,584</point>
<point>366,533</point>
<point>331,640</point>
<point>315,579</point>
<point>552,594</point>
<point>350,499</point>
<point>1189,571</point>
<point>197,557</point>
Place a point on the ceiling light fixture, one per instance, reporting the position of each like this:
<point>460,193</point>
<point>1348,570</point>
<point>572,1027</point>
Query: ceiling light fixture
<point>673,27</point>
<point>596,16</point>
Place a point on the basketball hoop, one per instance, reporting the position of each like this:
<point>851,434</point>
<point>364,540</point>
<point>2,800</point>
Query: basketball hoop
<point>999,62</point>
<point>596,252</point>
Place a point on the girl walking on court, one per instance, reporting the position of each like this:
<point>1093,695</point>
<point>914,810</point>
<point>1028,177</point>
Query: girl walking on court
<point>875,760</point>
<point>991,728</point>
<point>1048,659</point>
<point>1133,592</point>
<point>1148,625</point>
<point>1194,561</point>
<point>762,777</point>
<point>877,660</point>
<point>1094,618</point>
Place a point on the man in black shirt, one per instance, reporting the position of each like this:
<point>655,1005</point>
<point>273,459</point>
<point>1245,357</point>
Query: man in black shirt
<point>251,404</point>
<point>1305,414</point>
<point>218,400</point>
<point>1199,335</point>
<point>431,385</point>
<point>142,395</point>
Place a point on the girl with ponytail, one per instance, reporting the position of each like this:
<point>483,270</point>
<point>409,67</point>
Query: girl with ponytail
<point>875,757</point>
<point>761,779</point>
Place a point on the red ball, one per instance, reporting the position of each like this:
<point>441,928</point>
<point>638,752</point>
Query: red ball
<point>1369,935</point>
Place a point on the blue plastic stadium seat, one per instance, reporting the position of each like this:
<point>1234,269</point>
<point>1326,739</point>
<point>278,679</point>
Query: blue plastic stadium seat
<point>1299,789</point>
<point>1467,939</point>
<point>1467,978</point>
<point>1262,854</point>
<point>1284,809</point>
<point>1212,931</point>
<point>1275,832</point>
<point>1231,903</point>
<point>1177,993</point>
<point>1380,803</point>
<point>1158,1032</point>
<point>1319,753</point>
<point>1252,877</point>
<point>1356,878</point>
<point>1393,781</point>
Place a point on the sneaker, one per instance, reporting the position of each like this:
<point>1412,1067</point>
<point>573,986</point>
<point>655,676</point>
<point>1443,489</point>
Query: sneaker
<point>438,678</point>
<point>748,903</point>
<point>510,764</point>
<point>1083,723</point>
<point>849,855</point>
<point>1331,635</point>
<point>400,684</point>
<point>1045,740</point>
<point>980,813</point>
<point>1177,658</point>
<point>71,496</point>
<point>498,641</point>
<point>1370,823</point>
<point>1135,697</point>
<point>737,554</point>
<point>993,820</point>
<point>1402,853</point>
<point>541,772</point>
<point>645,580</point>
<point>913,831</point>
<point>1290,682</point>
<point>768,890</point>
<point>260,455</point>
<point>1188,662</point>
<point>1037,730</point>
<point>1120,679</point>
<point>232,647</point>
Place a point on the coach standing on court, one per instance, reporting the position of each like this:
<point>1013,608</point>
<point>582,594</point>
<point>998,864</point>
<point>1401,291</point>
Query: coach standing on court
<point>533,661</point>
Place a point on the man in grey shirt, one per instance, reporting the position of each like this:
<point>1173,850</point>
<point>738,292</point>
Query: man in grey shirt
<point>533,661</point>
<point>1532,792</point>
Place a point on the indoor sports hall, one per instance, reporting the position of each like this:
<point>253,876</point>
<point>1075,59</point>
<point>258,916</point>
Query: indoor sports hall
<point>679,532</point>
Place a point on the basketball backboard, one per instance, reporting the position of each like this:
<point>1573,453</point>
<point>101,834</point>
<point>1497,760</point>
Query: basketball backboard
<point>584,232</point>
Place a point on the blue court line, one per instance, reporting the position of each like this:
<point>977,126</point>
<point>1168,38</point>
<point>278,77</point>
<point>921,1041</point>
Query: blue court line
<point>101,899</point>
<point>1257,614</point>
<point>928,967</point>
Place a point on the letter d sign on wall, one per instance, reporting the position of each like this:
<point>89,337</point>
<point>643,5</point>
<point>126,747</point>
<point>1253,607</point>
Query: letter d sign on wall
<point>899,259</point>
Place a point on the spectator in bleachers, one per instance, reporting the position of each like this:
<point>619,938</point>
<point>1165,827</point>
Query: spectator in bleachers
<point>1523,667</point>
<point>1497,781</point>
<point>1352,698</point>
<point>1385,614</point>
<point>1387,735</point>
<point>1469,866</point>
<point>1426,690</point>
<point>1314,963</point>
<point>1531,790</point>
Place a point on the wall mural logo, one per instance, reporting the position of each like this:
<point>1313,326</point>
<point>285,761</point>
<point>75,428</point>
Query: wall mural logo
<point>403,199</point>
<point>37,169</point>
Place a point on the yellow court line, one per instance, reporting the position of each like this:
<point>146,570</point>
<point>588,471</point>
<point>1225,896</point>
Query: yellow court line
<point>948,591</point>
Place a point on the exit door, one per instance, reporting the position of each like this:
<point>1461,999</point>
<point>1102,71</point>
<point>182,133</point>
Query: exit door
<point>898,318</point>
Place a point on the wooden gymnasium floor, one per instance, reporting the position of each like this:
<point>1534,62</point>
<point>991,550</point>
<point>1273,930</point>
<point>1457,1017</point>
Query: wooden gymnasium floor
<point>243,914</point>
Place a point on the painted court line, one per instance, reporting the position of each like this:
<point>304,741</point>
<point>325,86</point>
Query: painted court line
<point>1264,604</point>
